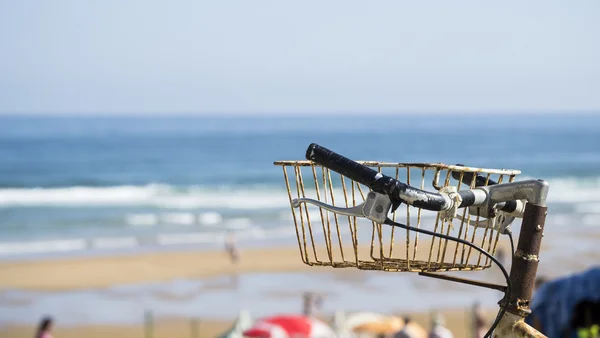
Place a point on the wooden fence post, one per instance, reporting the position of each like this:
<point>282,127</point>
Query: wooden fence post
<point>148,325</point>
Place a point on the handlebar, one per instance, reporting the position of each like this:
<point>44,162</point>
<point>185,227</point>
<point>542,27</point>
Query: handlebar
<point>397,191</point>
<point>480,181</point>
<point>400,192</point>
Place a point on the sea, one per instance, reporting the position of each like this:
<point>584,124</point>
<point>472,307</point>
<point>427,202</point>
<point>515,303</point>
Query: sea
<point>79,185</point>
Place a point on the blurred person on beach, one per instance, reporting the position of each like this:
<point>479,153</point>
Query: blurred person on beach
<point>318,303</point>
<point>231,248</point>
<point>234,256</point>
<point>437,328</point>
<point>312,304</point>
<point>44,328</point>
<point>411,330</point>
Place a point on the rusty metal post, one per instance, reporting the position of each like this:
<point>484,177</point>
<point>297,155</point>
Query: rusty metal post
<point>526,258</point>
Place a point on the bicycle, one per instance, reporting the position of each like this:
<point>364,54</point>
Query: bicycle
<point>493,204</point>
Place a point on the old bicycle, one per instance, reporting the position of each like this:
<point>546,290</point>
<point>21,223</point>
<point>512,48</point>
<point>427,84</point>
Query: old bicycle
<point>460,223</point>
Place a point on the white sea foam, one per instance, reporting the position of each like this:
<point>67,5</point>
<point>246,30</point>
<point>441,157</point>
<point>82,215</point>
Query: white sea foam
<point>155,195</point>
<point>574,190</point>
<point>163,196</point>
<point>178,218</point>
<point>141,219</point>
<point>210,218</point>
<point>62,245</point>
<point>562,190</point>
<point>73,196</point>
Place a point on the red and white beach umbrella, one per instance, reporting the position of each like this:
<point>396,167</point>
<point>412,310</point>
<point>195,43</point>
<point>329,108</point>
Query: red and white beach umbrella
<point>291,326</point>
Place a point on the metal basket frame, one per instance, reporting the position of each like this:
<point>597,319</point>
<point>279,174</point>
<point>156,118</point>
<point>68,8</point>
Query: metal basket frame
<point>379,254</point>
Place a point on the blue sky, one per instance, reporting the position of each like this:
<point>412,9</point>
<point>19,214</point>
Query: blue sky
<point>248,57</point>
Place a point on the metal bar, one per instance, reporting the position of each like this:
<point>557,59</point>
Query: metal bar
<point>287,184</point>
<point>394,228</point>
<point>419,213</point>
<point>526,258</point>
<point>464,280</point>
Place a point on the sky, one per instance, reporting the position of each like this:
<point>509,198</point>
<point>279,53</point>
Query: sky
<point>296,57</point>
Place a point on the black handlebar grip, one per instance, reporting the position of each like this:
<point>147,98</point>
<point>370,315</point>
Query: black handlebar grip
<point>342,165</point>
<point>351,169</point>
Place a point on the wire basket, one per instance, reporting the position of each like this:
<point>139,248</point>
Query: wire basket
<point>329,239</point>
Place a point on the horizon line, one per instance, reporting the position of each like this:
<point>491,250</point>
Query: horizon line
<point>482,112</point>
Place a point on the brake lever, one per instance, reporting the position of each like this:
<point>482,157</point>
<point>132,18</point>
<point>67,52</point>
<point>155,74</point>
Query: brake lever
<point>375,208</point>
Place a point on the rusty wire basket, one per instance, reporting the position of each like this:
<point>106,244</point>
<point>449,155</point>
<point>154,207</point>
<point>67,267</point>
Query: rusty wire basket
<point>329,239</point>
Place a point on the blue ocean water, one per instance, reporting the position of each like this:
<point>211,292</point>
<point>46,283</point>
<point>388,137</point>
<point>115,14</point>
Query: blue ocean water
<point>79,183</point>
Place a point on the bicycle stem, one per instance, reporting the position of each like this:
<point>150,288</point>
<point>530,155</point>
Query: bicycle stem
<point>526,258</point>
<point>533,191</point>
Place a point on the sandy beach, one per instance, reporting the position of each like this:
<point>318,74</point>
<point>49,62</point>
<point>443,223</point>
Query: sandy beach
<point>182,283</point>
<point>99,272</point>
